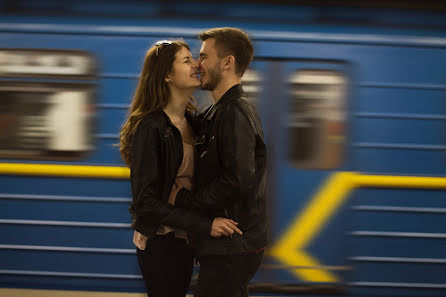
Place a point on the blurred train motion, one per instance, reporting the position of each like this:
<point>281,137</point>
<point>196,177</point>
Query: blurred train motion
<point>353,103</point>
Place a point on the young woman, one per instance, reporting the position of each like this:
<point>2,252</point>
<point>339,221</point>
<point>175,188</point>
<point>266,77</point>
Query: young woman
<point>157,143</point>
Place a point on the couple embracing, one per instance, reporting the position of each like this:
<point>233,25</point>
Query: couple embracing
<point>198,180</point>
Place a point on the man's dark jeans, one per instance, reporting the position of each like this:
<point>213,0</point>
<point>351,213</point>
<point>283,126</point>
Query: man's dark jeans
<point>227,275</point>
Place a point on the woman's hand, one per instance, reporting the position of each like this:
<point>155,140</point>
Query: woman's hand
<point>139,240</point>
<point>224,227</point>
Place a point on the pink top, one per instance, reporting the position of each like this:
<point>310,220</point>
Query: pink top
<point>183,180</point>
<point>186,170</point>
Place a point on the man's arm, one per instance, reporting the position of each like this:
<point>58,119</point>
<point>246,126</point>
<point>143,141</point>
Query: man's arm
<point>236,148</point>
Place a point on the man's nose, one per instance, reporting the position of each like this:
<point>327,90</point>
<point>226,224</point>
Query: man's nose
<point>195,65</point>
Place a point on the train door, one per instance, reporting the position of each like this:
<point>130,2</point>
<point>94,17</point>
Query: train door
<point>305,114</point>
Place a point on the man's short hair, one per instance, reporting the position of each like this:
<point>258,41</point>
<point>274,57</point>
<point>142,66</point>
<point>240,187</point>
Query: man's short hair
<point>232,41</point>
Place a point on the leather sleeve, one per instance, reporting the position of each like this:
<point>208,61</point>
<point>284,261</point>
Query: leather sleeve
<point>236,142</point>
<point>149,207</point>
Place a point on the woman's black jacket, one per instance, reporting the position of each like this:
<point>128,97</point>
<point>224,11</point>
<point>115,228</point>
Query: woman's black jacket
<point>156,153</point>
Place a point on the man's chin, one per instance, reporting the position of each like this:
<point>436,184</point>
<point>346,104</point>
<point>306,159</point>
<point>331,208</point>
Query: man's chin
<point>205,87</point>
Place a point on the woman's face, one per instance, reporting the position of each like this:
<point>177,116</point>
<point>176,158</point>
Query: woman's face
<point>184,71</point>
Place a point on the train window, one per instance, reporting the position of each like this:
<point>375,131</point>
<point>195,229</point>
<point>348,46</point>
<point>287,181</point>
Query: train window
<point>317,118</point>
<point>42,118</point>
<point>45,120</point>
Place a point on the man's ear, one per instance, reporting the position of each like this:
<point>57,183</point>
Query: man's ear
<point>229,62</point>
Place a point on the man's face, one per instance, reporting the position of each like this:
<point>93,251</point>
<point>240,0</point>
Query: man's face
<point>209,63</point>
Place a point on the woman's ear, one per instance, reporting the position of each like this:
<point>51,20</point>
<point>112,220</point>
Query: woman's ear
<point>167,79</point>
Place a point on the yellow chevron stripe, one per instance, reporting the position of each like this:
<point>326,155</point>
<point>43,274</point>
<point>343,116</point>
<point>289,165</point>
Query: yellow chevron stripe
<point>289,249</point>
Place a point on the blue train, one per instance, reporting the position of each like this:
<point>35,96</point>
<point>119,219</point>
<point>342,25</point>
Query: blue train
<point>353,103</point>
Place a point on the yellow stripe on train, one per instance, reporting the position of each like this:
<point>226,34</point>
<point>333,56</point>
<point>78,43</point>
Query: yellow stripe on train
<point>290,248</point>
<point>64,170</point>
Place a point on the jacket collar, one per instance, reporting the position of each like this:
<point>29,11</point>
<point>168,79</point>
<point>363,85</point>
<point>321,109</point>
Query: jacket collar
<point>188,116</point>
<point>235,91</point>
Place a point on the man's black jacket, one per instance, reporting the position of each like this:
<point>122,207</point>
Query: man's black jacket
<point>231,174</point>
<point>156,153</point>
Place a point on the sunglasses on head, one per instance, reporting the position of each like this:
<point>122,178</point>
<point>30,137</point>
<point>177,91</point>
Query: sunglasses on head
<point>158,44</point>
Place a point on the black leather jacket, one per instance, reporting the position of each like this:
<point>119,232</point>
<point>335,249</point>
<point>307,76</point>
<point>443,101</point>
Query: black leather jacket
<point>231,174</point>
<point>156,153</point>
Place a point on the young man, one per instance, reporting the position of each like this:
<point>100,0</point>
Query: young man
<point>231,168</point>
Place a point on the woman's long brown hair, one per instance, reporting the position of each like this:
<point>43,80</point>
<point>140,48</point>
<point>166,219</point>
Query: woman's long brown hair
<point>152,91</point>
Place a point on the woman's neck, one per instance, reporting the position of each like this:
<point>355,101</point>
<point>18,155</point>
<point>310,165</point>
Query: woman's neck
<point>176,106</point>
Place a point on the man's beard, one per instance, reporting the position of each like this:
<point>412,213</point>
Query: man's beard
<point>213,76</point>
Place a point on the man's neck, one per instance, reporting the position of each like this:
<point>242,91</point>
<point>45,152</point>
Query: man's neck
<point>223,87</point>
